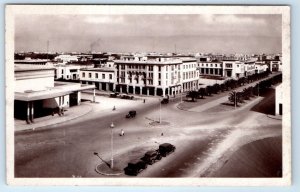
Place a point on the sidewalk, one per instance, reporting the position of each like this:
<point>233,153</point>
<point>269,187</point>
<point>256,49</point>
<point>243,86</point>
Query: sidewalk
<point>70,113</point>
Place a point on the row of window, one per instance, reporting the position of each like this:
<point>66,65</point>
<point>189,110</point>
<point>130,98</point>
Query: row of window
<point>211,65</point>
<point>189,75</point>
<point>90,75</point>
<point>189,66</point>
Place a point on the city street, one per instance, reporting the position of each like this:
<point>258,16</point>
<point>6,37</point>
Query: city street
<point>204,141</point>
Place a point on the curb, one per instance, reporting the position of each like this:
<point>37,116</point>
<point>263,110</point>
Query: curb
<point>106,174</point>
<point>274,117</point>
<point>43,126</point>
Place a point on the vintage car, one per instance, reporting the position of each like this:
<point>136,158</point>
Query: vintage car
<point>131,114</point>
<point>165,101</point>
<point>166,148</point>
<point>135,167</point>
<point>151,157</point>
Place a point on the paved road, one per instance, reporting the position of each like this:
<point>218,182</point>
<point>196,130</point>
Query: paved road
<point>203,141</point>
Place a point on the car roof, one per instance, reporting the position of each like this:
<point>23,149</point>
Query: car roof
<point>166,145</point>
<point>135,161</point>
<point>150,152</point>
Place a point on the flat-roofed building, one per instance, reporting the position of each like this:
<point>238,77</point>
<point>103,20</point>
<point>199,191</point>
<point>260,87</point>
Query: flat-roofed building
<point>233,68</point>
<point>278,99</point>
<point>155,75</point>
<point>67,72</point>
<point>37,94</point>
<point>103,78</point>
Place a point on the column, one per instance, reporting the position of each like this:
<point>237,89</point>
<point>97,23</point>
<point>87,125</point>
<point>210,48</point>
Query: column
<point>121,88</point>
<point>28,113</point>
<point>141,90</point>
<point>170,91</point>
<point>164,92</point>
<point>114,87</point>
<point>127,89</point>
<point>100,86</point>
<point>107,86</point>
<point>133,90</point>
<point>59,105</point>
<point>155,91</point>
<point>147,91</point>
<point>32,112</point>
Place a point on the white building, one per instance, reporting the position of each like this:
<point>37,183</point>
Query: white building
<point>66,58</point>
<point>156,75</point>
<point>233,68</point>
<point>37,94</point>
<point>103,78</point>
<point>67,72</point>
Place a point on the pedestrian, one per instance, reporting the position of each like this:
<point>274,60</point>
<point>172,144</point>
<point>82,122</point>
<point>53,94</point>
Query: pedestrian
<point>162,134</point>
<point>144,100</point>
<point>122,132</point>
<point>114,108</point>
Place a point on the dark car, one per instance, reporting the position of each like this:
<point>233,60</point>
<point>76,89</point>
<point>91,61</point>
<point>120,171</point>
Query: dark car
<point>125,96</point>
<point>114,95</point>
<point>165,101</point>
<point>135,167</point>
<point>131,114</point>
<point>166,148</point>
<point>151,157</point>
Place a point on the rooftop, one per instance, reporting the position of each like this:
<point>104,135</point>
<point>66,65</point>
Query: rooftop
<point>28,67</point>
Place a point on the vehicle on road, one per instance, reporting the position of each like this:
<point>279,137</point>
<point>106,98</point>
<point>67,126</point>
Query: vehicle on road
<point>125,96</point>
<point>135,167</point>
<point>131,114</point>
<point>165,101</point>
<point>113,95</point>
<point>151,157</point>
<point>166,148</point>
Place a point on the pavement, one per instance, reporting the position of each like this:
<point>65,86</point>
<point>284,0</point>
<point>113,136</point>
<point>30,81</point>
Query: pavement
<point>69,114</point>
<point>103,104</point>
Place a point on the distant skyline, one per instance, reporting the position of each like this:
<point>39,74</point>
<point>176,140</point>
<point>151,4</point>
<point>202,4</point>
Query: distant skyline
<point>251,33</point>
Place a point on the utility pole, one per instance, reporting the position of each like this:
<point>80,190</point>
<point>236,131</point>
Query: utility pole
<point>47,48</point>
<point>112,146</point>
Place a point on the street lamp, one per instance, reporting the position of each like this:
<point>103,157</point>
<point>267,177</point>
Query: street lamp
<point>112,146</point>
<point>159,110</point>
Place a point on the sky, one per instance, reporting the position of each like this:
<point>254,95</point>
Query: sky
<point>187,33</point>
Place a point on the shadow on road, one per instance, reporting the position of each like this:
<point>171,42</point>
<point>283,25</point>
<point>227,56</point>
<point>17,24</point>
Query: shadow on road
<point>267,105</point>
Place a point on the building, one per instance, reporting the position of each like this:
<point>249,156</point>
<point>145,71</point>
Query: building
<point>103,78</point>
<point>66,58</point>
<point>67,72</point>
<point>233,68</point>
<point>156,75</point>
<point>278,99</point>
<point>28,61</point>
<point>210,68</point>
<point>37,94</point>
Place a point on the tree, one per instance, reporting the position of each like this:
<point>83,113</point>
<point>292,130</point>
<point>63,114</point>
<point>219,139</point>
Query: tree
<point>193,95</point>
<point>235,97</point>
<point>216,88</point>
<point>209,90</point>
<point>202,92</point>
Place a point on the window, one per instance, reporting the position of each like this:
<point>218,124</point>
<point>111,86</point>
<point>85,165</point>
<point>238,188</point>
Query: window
<point>83,74</point>
<point>159,75</point>
<point>96,75</point>
<point>103,76</point>
<point>122,66</point>
<point>159,82</point>
<point>90,75</point>
<point>159,68</point>
<point>216,65</point>
<point>110,76</point>
<point>62,71</point>
<point>206,65</point>
<point>150,68</point>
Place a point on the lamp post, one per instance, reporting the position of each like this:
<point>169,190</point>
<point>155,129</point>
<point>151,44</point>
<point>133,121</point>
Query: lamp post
<point>112,146</point>
<point>234,99</point>
<point>159,110</point>
<point>181,93</point>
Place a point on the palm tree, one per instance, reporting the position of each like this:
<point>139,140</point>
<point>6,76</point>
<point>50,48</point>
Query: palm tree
<point>209,90</point>
<point>193,95</point>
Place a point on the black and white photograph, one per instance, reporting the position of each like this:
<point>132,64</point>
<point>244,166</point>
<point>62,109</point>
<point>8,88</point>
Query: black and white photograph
<point>148,95</point>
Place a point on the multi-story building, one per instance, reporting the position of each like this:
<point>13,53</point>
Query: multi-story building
<point>210,68</point>
<point>155,75</point>
<point>103,78</point>
<point>233,68</point>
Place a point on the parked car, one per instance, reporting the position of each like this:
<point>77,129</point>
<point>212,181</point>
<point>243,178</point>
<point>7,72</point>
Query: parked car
<point>113,95</point>
<point>135,167</point>
<point>125,96</point>
<point>131,114</point>
<point>151,157</point>
<point>165,101</point>
<point>166,148</point>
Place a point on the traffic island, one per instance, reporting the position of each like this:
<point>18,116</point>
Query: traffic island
<point>104,169</point>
